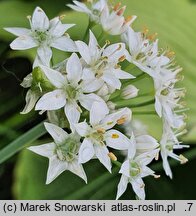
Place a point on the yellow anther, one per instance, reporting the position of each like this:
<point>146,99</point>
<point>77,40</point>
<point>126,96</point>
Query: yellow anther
<point>107,42</point>
<point>121,121</point>
<point>117,66</point>
<point>183,159</point>
<point>145,30</point>
<point>101,130</point>
<point>170,54</point>
<point>109,123</point>
<point>29,17</point>
<point>61,17</point>
<point>152,37</point>
<point>112,156</point>
<point>157,176</point>
<point>157,156</point>
<point>128,19</point>
<point>122,58</point>
<point>117,6</point>
<point>115,136</point>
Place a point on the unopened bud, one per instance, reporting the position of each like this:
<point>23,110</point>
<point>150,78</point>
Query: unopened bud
<point>129,92</point>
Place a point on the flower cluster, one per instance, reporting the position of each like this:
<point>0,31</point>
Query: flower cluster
<point>88,94</point>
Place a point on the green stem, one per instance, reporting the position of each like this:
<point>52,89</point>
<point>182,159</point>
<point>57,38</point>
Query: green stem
<point>144,113</point>
<point>117,163</point>
<point>19,143</point>
<point>90,25</point>
<point>126,103</point>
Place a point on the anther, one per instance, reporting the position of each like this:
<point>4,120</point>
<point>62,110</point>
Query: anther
<point>101,130</point>
<point>121,121</point>
<point>183,159</point>
<point>121,11</point>
<point>112,156</point>
<point>117,6</point>
<point>115,136</point>
<point>122,58</point>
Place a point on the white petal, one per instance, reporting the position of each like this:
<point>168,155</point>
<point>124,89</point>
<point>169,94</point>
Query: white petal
<point>102,154</point>
<point>146,142</point>
<point>55,77</point>
<point>57,133</point>
<point>93,85</point>
<point>81,7</point>
<point>111,80</point>
<point>138,187</point>
<point>74,69</point>
<point>166,165</point>
<point>146,171</point>
<point>147,157</point>
<point>120,74</point>
<point>88,74</point>
<point>132,147</point>
<point>77,169</point>
<point>73,114</point>
<point>23,43</point>
<point>31,99</point>
<point>40,21</point>
<point>65,44</point>
<point>110,120</point>
<point>82,128</point>
<point>18,31</point>
<point>87,100</point>
<point>158,106</point>
<point>56,167</point>
<point>57,29</point>
<point>98,111</point>
<point>125,167</point>
<point>46,150</point>
<point>86,151</point>
<point>116,140</point>
<point>84,51</point>
<point>114,52</point>
<point>122,186</point>
<point>93,46</point>
<point>45,55</point>
<point>51,101</point>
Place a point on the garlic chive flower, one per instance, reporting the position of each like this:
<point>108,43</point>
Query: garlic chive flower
<point>44,34</point>
<point>62,153</point>
<point>94,8</point>
<point>101,65</point>
<point>134,169</point>
<point>99,134</point>
<point>69,90</point>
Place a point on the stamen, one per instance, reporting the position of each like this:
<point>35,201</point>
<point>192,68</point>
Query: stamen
<point>170,54</point>
<point>121,11</point>
<point>145,30</point>
<point>115,136</point>
<point>122,58</point>
<point>142,186</point>
<point>112,156</point>
<point>157,176</point>
<point>183,159</point>
<point>101,130</point>
<point>152,37</point>
<point>157,156</point>
<point>128,19</point>
<point>121,121</point>
<point>61,17</point>
<point>117,6</point>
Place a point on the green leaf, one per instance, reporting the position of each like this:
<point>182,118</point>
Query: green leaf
<point>20,142</point>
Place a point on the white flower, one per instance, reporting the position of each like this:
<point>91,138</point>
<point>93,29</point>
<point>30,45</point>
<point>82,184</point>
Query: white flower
<point>101,64</point>
<point>134,169</point>
<point>166,102</point>
<point>94,10</point>
<point>168,144</point>
<point>69,91</point>
<point>142,51</point>
<point>44,34</point>
<point>129,92</point>
<point>113,21</point>
<point>99,134</point>
<point>62,153</point>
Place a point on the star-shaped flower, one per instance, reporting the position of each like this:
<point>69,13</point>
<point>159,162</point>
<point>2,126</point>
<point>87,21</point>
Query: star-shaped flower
<point>99,134</point>
<point>101,64</point>
<point>62,153</point>
<point>44,34</point>
<point>69,91</point>
<point>134,169</point>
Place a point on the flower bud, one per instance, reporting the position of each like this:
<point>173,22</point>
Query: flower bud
<point>129,92</point>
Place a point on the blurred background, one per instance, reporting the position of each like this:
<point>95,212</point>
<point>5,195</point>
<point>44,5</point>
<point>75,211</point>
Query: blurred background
<point>23,175</point>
